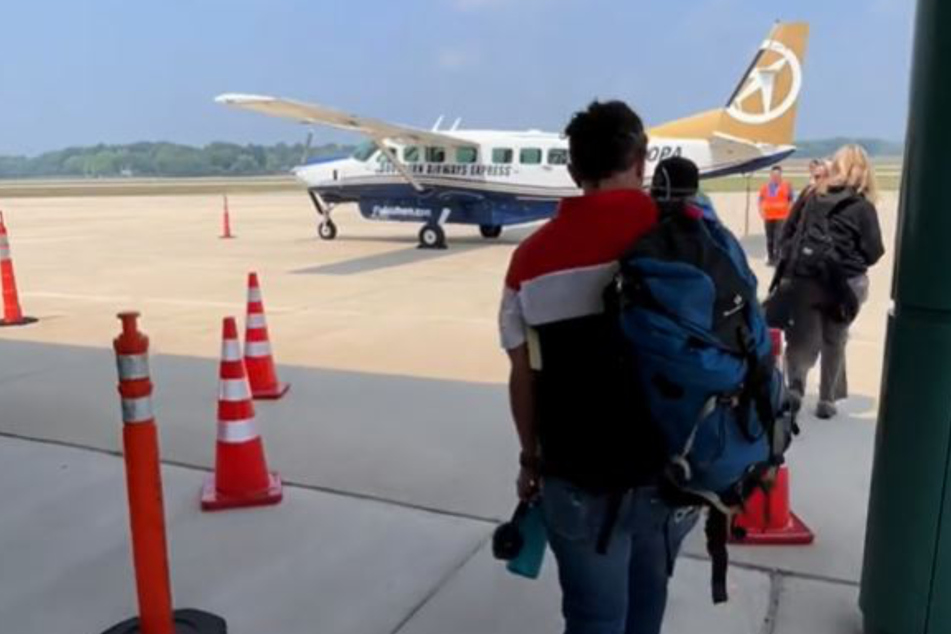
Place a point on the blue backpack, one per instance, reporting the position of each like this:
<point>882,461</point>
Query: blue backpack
<point>700,356</point>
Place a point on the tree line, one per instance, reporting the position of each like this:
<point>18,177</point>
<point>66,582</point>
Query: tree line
<point>165,159</point>
<point>229,159</point>
<point>823,148</point>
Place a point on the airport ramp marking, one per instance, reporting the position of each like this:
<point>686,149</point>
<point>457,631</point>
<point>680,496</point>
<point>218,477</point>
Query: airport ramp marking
<point>172,301</point>
<point>240,305</point>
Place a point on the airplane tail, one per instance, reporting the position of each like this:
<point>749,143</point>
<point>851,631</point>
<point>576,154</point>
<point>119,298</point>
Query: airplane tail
<point>763,107</point>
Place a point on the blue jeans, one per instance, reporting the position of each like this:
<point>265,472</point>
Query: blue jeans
<point>623,591</point>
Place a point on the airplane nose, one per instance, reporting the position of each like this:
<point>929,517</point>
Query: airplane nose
<point>299,172</point>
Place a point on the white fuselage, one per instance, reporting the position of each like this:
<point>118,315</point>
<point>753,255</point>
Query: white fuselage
<point>524,164</point>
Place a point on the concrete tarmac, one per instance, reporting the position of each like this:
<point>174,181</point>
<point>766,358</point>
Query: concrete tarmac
<point>395,438</point>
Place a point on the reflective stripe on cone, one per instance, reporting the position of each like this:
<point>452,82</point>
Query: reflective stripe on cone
<point>234,390</point>
<point>257,349</point>
<point>237,431</point>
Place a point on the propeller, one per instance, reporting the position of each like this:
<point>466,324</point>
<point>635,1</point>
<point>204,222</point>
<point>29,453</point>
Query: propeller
<point>306,154</point>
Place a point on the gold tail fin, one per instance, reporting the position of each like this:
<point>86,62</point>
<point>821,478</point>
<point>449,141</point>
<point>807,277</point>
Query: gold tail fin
<point>763,107</point>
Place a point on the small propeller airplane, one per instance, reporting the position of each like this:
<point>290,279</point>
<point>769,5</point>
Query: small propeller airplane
<point>493,178</point>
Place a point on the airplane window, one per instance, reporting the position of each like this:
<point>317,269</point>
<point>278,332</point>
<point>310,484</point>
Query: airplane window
<point>557,156</point>
<point>502,155</point>
<point>466,155</point>
<point>364,151</point>
<point>530,156</point>
<point>435,155</point>
<point>411,154</point>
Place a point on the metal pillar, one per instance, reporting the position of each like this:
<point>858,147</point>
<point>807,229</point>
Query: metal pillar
<point>906,581</point>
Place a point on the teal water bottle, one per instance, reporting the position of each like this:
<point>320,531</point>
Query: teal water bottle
<point>530,523</point>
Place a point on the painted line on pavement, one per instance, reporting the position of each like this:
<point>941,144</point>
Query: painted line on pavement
<point>240,306</point>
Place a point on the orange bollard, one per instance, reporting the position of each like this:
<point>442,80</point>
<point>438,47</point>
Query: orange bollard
<point>12,313</point>
<point>146,508</point>
<point>258,357</point>
<point>226,221</point>
<point>767,518</point>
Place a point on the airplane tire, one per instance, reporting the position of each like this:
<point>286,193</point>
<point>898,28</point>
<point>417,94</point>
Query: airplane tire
<point>432,237</point>
<point>327,230</point>
<point>490,231</point>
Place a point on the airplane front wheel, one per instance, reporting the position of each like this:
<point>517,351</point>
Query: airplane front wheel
<point>432,237</point>
<point>327,230</point>
<point>490,231</point>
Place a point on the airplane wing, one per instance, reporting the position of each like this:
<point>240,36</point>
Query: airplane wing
<point>312,113</point>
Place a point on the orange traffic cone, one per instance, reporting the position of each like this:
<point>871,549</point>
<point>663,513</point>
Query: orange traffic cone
<point>241,477</point>
<point>12,313</point>
<point>226,221</point>
<point>257,348</point>
<point>767,518</point>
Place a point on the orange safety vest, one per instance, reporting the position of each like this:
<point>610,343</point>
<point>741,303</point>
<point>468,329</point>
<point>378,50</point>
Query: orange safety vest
<point>775,207</point>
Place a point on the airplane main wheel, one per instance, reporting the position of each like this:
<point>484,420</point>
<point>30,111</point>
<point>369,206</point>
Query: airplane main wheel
<point>490,231</point>
<point>327,230</point>
<point>432,237</point>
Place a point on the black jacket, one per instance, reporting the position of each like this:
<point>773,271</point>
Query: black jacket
<point>854,228</point>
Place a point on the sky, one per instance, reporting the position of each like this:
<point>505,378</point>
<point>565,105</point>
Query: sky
<point>80,72</point>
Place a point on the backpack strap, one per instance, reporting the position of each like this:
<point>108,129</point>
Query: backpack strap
<point>717,531</point>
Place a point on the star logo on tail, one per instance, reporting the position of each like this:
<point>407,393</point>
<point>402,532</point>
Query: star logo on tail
<point>763,81</point>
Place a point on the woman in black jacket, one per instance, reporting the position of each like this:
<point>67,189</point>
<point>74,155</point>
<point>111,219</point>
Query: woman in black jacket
<point>831,241</point>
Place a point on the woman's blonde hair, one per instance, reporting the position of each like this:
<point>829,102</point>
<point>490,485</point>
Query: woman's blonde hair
<point>851,168</point>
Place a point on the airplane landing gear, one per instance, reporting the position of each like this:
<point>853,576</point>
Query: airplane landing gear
<point>327,230</point>
<point>432,237</point>
<point>490,231</point>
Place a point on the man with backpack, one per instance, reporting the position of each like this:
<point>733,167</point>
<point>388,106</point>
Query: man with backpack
<point>583,438</point>
<point>642,379</point>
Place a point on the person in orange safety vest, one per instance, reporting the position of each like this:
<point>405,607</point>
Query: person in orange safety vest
<point>775,201</point>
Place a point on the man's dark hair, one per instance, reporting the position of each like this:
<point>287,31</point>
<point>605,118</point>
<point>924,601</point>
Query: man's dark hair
<point>605,139</point>
<point>778,168</point>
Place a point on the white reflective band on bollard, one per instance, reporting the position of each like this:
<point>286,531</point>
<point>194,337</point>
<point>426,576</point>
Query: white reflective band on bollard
<point>237,431</point>
<point>234,390</point>
<point>137,410</point>
<point>230,350</point>
<point>254,295</point>
<point>4,253</point>
<point>133,366</point>
<point>257,320</point>
<point>257,349</point>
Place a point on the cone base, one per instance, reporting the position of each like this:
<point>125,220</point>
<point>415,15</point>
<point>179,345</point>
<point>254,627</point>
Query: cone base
<point>272,393</point>
<point>227,237</point>
<point>796,534</point>
<point>213,500</point>
<point>23,321</point>
<point>186,622</point>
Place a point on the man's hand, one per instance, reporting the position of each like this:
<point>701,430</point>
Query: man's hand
<point>528,484</point>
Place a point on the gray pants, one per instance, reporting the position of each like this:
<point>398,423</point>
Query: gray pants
<point>812,333</point>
